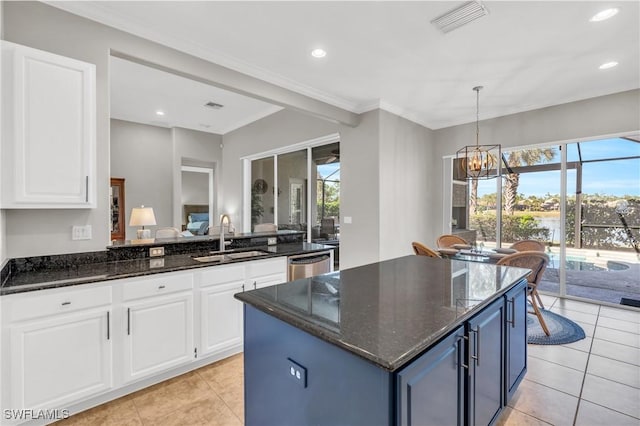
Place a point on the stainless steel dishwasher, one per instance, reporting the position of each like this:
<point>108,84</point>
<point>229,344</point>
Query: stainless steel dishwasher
<point>309,265</point>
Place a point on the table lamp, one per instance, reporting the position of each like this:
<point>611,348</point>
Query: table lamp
<point>142,216</point>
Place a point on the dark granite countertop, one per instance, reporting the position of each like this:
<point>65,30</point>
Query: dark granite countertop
<point>21,275</point>
<point>202,238</point>
<point>387,312</point>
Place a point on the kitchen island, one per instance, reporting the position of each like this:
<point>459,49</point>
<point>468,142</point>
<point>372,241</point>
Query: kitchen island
<point>414,340</point>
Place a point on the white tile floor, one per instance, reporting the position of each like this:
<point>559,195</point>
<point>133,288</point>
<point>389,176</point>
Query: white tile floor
<point>595,381</point>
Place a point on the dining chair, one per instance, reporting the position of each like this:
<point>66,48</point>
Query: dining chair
<point>422,250</point>
<point>167,233</point>
<point>445,241</point>
<point>537,262</point>
<point>528,245</point>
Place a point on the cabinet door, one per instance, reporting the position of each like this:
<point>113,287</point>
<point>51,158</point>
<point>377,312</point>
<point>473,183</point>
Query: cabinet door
<point>49,149</point>
<point>221,317</point>
<point>516,337</point>
<point>159,334</point>
<point>265,273</point>
<point>486,374</point>
<point>430,391</point>
<point>60,359</point>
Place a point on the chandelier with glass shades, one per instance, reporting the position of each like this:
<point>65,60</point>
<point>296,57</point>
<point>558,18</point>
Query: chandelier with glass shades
<point>478,161</point>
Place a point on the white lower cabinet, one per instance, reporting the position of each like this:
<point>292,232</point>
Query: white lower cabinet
<point>62,347</point>
<point>159,335</point>
<point>220,312</point>
<point>60,351</point>
<point>158,322</point>
<point>267,272</point>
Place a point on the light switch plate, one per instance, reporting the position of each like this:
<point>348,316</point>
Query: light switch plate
<point>297,372</point>
<point>272,241</point>
<point>81,232</point>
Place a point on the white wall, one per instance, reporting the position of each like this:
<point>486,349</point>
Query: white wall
<point>44,27</point>
<point>587,119</point>
<point>406,185</point>
<point>3,248</point>
<point>142,155</point>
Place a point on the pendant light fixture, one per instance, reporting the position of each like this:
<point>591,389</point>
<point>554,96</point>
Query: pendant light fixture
<point>478,161</point>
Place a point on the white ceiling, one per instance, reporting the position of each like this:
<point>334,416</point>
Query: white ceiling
<point>138,91</point>
<point>527,54</point>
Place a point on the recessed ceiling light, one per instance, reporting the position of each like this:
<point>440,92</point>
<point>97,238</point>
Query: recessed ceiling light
<point>159,112</point>
<point>605,14</point>
<point>608,65</point>
<point>318,53</point>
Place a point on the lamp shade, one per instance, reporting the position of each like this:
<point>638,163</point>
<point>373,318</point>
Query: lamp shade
<point>142,216</point>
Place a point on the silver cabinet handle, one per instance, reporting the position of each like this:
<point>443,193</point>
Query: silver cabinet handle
<point>108,325</point>
<point>512,301</point>
<point>86,191</point>
<point>476,346</point>
<point>160,287</point>
<point>128,321</point>
<point>66,303</point>
<point>255,285</point>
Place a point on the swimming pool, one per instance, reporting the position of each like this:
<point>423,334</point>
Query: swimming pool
<point>579,263</point>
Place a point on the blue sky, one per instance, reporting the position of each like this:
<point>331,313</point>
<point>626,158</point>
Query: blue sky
<point>325,170</point>
<point>620,177</point>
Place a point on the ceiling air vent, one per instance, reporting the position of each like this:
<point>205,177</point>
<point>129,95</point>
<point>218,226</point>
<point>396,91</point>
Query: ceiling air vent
<point>213,105</point>
<point>460,16</point>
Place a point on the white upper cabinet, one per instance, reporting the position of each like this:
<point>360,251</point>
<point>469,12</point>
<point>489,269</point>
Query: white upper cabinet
<point>48,130</point>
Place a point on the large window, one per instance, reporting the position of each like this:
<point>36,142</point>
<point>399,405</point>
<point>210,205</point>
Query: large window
<point>281,193</point>
<point>581,199</point>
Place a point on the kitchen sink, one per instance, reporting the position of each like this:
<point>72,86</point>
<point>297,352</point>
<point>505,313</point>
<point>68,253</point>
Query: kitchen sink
<point>214,258</point>
<point>230,255</point>
<point>245,254</point>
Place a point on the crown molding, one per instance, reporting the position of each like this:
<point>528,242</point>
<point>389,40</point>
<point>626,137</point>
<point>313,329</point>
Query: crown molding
<point>100,13</point>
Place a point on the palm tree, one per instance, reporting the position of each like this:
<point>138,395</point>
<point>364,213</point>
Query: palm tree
<point>519,158</point>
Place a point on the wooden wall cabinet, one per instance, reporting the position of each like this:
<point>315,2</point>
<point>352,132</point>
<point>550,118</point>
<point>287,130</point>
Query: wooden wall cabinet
<point>117,209</point>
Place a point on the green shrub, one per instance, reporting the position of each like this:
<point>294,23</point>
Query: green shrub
<point>514,228</point>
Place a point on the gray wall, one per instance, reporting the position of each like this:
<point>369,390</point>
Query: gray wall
<point>285,127</point>
<point>150,159</point>
<point>360,191</point>
<point>195,188</point>
<point>588,119</point>
<point>44,27</point>
<point>142,155</point>
<point>406,185</point>
<point>191,147</point>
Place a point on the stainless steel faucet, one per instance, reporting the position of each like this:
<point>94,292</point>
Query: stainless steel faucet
<point>222,218</point>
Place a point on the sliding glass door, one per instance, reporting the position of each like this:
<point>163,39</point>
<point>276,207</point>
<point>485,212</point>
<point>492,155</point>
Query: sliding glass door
<point>582,200</point>
<point>296,188</point>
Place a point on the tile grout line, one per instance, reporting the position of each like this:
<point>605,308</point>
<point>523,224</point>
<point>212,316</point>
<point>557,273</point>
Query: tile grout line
<point>220,396</point>
<point>586,367</point>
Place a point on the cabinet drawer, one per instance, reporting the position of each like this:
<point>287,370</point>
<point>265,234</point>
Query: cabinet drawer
<point>156,285</point>
<point>220,275</point>
<point>29,305</point>
<point>260,268</point>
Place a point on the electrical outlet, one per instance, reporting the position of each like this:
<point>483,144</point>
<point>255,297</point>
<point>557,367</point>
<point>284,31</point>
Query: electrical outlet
<point>272,241</point>
<point>156,251</point>
<point>156,263</point>
<point>297,373</point>
<point>81,232</point>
